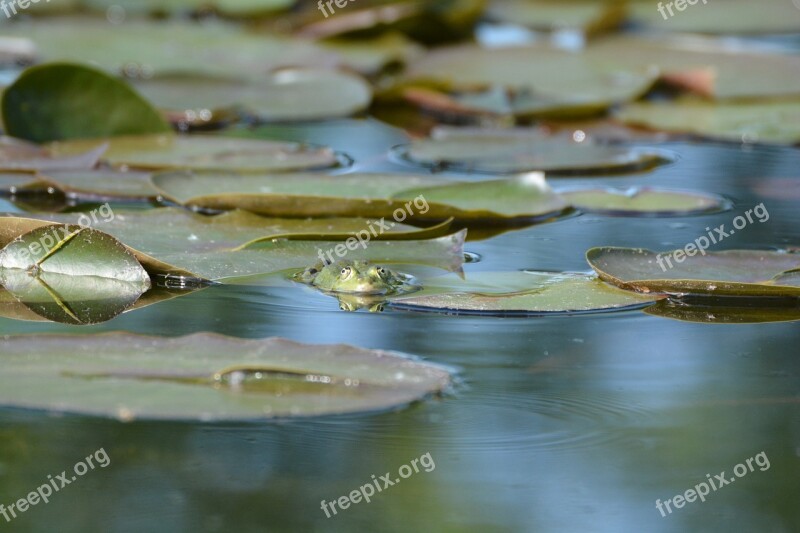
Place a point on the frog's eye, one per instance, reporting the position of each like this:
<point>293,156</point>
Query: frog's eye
<point>346,272</point>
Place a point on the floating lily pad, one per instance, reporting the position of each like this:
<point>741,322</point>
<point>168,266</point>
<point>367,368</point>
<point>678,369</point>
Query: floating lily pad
<point>69,299</point>
<point>102,184</point>
<point>144,48</point>
<point>729,17</point>
<point>531,81</point>
<point>215,248</point>
<point>702,65</point>
<point>730,273</point>
<point>737,311</point>
<point>520,294</point>
<point>524,150</point>
<point>70,101</point>
<point>152,152</point>
<point>551,15</point>
<point>369,195</point>
<point>13,182</point>
<point>206,377</point>
<point>775,122</point>
<point>20,158</point>
<point>285,95</point>
<point>644,201</point>
<point>230,8</point>
<point>72,251</point>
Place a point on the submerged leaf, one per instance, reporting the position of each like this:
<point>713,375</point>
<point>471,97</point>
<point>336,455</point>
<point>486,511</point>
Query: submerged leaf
<point>524,150</point>
<point>70,101</point>
<point>152,152</point>
<point>520,294</point>
<point>730,273</point>
<point>206,377</point>
<point>644,201</point>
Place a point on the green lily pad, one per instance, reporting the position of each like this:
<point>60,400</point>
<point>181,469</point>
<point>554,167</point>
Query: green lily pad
<point>729,17</point>
<point>70,101</point>
<point>776,122</point>
<point>206,377</point>
<point>552,15</point>
<point>69,299</point>
<point>524,150</point>
<point>530,81</point>
<point>72,251</point>
<point>228,8</point>
<point>13,182</point>
<point>286,95</point>
<point>143,48</point>
<point>370,195</point>
<point>239,244</point>
<point>702,65</point>
<point>520,294</point>
<point>19,158</point>
<point>736,312</point>
<point>102,184</point>
<point>154,152</point>
<point>644,201</point>
<point>749,273</point>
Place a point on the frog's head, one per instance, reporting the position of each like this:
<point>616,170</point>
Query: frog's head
<point>354,277</point>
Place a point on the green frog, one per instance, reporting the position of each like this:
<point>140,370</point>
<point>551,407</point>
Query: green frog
<point>357,284</point>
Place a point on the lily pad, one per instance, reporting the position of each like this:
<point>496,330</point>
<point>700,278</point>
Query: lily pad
<point>369,195</point>
<point>14,182</point>
<point>70,101</point>
<point>520,294</point>
<point>729,17</point>
<point>530,81</point>
<point>750,273</point>
<point>216,248</point>
<point>286,95</point>
<point>153,152</point>
<point>524,150</point>
<point>776,122</point>
<point>588,17</point>
<point>151,48</point>
<point>229,8</point>
<point>736,311</point>
<point>206,377</point>
<point>68,299</point>
<point>102,184</point>
<point>17,158</point>
<point>644,201</point>
<point>703,65</point>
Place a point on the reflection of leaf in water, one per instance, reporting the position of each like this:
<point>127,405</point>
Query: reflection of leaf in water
<point>72,299</point>
<point>206,377</point>
<point>729,310</point>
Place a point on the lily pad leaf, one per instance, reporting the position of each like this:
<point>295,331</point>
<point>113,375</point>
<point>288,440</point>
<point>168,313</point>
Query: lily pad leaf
<point>290,94</point>
<point>735,311</point>
<point>102,184</point>
<point>14,182</point>
<point>521,294</point>
<point>76,300</point>
<point>540,80</point>
<point>548,15</point>
<point>72,251</point>
<point>773,122</point>
<point>644,201</point>
<point>228,8</point>
<point>155,152</point>
<point>70,101</point>
<point>368,195</point>
<point>206,377</point>
<point>524,150</point>
<point>750,273</point>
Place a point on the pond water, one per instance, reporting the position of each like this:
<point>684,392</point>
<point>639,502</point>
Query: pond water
<point>556,423</point>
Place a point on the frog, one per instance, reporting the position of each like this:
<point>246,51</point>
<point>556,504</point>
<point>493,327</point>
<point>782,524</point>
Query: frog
<point>357,284</point>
